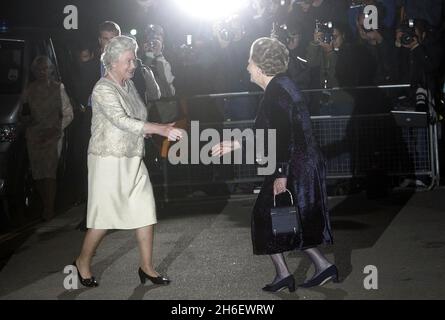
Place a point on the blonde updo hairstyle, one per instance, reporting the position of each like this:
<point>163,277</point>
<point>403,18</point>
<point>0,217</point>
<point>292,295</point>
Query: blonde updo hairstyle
<point>270,55</point>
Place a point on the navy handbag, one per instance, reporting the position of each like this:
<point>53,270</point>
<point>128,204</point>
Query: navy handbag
<point>285,220</point>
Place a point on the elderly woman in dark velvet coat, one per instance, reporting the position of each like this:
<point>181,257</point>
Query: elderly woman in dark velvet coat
<point>300,169</point>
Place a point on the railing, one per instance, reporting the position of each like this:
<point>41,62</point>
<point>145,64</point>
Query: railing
<point>397,143</point>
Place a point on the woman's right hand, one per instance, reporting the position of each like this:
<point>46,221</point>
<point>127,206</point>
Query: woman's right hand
<point>165,130</point>
<point>225,147</point>
<point>171,133</point>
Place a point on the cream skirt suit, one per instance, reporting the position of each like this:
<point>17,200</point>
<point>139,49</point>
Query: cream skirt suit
<point>120,194</point>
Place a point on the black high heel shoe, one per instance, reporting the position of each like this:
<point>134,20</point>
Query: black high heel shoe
<point>156,280</point>
<point>288,282</point>
<point>90,282</point>
<point>322,278</point>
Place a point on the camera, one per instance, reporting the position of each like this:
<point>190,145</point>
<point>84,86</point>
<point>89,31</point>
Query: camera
<point>281,33</point>
<point>284,33</point>
<point>408,30</point>
<point>186,52</point>
<point>327,29</point>
<point>153,33</point>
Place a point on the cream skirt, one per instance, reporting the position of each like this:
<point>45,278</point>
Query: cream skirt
<point>120,195</point>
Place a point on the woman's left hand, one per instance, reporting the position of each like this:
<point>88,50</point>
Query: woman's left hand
<point>279,185</point>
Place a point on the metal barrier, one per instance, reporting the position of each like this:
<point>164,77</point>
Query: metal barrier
<point>399,143</point>
<point>375,141</point>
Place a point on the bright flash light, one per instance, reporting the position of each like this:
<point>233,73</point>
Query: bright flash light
<point>212,9</point>
<point>133,32</point>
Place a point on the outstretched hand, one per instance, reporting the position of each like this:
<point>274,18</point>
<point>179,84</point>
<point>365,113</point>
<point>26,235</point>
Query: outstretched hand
<point>171,133</point>
<point>224,147</point>
<point>164,130</point>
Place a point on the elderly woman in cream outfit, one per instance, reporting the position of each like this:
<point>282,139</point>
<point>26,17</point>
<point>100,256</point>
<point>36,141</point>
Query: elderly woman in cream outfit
<point>120,194</point>
<point>50,113</point>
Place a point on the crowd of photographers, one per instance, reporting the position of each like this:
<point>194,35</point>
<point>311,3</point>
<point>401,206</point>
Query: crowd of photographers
<point>329,47</point>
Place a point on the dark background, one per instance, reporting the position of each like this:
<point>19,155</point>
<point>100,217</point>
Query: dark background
<point>48,14</point>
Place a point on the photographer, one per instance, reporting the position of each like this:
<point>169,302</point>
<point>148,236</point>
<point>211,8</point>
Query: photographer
<point>154,57</point>
<point>153,54</point>
<point>377,53</point>
<point>298,69</point>
<point>419,58</point>
<point>231,74</point>
<point>330,58</point>
<point>307,12</point>
<point>386,12</point>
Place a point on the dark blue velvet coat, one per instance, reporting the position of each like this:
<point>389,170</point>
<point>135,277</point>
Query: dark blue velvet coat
<point>300,160</point>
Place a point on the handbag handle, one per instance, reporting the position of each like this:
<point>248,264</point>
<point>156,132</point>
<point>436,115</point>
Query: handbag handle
<point>291,198</point>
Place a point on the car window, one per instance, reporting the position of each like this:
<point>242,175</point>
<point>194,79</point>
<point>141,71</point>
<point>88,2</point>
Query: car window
<point>11,66</point>
<point>40,47</point>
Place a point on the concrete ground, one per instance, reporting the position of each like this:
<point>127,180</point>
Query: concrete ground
<point>205,248</point>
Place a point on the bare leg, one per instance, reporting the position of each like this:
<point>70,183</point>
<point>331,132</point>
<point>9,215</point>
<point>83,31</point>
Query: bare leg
<point>145,240</point>
<point>91,241</point>
<point>280,267</point>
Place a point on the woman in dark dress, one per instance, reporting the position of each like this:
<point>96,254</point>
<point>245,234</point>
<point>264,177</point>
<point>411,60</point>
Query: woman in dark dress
<point>300,168</point>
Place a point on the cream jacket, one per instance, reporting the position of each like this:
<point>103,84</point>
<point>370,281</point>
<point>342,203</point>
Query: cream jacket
<point>118,119</point>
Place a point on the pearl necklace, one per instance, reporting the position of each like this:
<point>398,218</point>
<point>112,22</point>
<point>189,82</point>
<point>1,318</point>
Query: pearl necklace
<point>112,77</point>
<point>124,87</point>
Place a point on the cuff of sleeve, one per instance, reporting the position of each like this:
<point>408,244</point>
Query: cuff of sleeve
<point>141,130</point>
<point>282,170</point>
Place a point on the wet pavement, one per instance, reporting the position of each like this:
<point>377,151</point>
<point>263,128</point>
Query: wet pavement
<point>205,248</point>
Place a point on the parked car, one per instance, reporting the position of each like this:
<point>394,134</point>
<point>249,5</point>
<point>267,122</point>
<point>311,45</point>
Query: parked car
<point>18,48</point>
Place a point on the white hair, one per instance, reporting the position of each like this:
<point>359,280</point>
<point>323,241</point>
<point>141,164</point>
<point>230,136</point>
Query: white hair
<point>115,48</point>
<point>39,60</point>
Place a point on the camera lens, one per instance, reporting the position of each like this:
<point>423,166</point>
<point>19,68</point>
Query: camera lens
<point>406,39</point>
